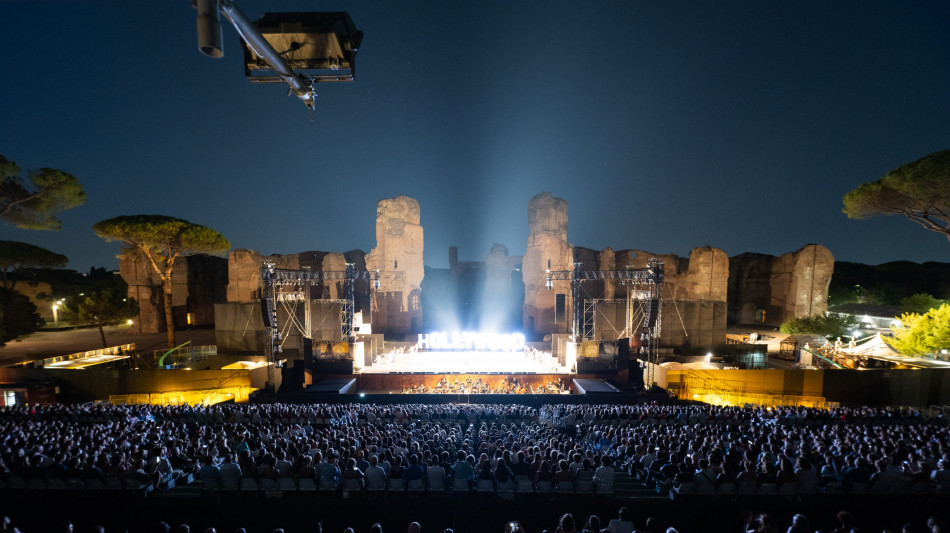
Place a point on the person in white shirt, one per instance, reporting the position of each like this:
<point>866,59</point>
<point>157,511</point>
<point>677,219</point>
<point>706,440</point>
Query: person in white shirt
<point>623,523</point>
<point>604,476</point>
<point>375,475</point>
<point>230,472</point>
<point>436,475</point>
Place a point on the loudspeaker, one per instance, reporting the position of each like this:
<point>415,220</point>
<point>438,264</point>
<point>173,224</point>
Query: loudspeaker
<point>652,312</point>
<point>307,352</point>
<point>267,312</point>
<point>623,354</point>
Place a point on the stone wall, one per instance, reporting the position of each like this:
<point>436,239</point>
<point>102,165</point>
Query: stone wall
<point>693,297</point>
<point>547,249</point>
<point>198,282</point>
<point>768,290</point>
<point>245,283</point>
<point>145,285</point>
<point>394,308</point>
<point>698,284</point>
<point>244,273</point>
<point>398,258</point>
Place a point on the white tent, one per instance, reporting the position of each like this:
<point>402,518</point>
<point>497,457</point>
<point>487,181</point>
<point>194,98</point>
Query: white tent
<point>870,347</point>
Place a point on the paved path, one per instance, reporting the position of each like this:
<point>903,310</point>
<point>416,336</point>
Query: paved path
<point>43,344</point>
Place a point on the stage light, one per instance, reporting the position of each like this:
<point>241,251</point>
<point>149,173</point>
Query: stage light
<point>362,395</point>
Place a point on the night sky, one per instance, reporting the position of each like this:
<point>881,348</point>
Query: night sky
<point>665,125</point>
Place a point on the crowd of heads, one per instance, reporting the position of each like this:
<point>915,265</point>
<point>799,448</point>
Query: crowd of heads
<point>624,521</point>
<point>356,445</point>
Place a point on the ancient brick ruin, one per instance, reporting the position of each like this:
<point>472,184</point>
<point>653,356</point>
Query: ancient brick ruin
<point>548,249</point>
<point>767,290</point>
<point>700,292</point>
<point>398,259</point>
<point>198,282</point>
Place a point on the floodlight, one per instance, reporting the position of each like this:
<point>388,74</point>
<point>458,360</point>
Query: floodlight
<point>298,49</point>
<point>318,46</point>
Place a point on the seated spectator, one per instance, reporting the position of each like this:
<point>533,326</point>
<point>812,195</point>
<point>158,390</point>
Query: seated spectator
<point>566,524</point>
<point>503,478</point>
<point>464,467</point>
<point>352,477</point>
<point>230,472</point>
<point>209,473</point>
<point>592,525</point>
<point>605,475</point>
<point>375,475</point>
<point>623,523</point>
<point>435,475</point>
<point>414,474</point>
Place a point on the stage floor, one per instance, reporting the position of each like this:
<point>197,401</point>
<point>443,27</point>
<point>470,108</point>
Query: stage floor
<point>466,362</point>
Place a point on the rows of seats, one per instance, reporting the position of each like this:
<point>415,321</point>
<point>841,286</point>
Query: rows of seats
<point>791,489</point>
<point>108,484</point>
<point>400,486</point>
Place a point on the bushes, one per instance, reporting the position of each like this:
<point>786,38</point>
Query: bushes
<point>833,325</point>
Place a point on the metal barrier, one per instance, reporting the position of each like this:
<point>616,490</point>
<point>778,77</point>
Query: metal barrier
<point>734,393</point>
<point>238,394</point>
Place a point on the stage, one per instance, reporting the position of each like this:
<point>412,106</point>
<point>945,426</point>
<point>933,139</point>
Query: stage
<point>406,361</point>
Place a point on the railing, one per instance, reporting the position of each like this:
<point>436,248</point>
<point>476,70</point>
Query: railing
<point>730,392</point>
<point>235,379</point>
<point>825,359</point>
<point>190,397</point>
<point>123,349</point>
<point>186,354</point>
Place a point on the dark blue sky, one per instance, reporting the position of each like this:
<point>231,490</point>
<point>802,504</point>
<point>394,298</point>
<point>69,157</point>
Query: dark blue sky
<point>665,125</point>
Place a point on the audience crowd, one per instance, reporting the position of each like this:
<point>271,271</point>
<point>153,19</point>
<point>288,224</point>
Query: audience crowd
<point>472,446</point>
<point>625,521</point>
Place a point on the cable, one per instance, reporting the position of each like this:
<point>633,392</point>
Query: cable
<point>673,299</point>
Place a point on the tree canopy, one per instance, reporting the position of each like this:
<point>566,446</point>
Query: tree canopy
<point>18,316</point>
<point>15,255</point>
<point>920,191</point>
<point>919,303</point>
<point>36,206</point>
<point>100,309</point>
<point>163,239</point>
<point>922,334</point>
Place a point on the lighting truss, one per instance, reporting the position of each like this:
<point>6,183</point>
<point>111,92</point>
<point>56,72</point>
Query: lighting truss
<point>274,278</point>
<point>651,276</point>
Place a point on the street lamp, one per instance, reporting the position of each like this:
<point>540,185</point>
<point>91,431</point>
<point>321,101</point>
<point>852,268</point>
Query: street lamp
<point>56,305</point>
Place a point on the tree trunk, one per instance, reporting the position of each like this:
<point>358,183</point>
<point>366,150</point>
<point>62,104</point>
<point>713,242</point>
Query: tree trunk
<point>102,334</point>
<point>169,323</point>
